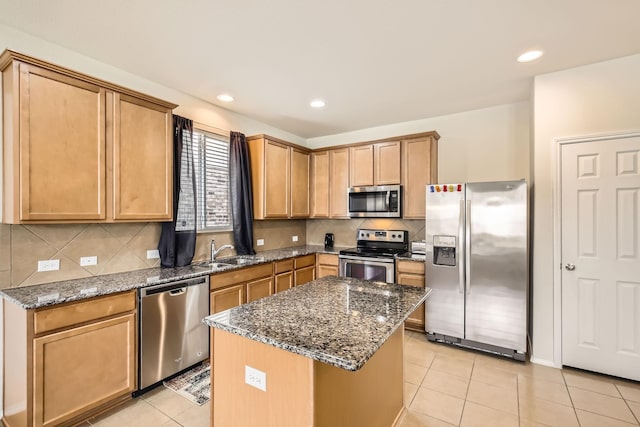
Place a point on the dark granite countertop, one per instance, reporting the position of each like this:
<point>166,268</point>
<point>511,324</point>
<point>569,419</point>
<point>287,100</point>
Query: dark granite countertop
<point>334,320</point>
<point>46,294</point>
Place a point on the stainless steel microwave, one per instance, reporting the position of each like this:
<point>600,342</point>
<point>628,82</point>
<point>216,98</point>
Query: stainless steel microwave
<point>381,201</point>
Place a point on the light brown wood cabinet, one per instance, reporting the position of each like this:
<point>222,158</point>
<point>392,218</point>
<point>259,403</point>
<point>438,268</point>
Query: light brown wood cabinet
<point>279,177</point>
<point>304,269</point>
<point>68,362</point>
<point>283,275</point>
<point>339,183</point>
<point>237,287</point>
<point>419,168</point>
<point>412,273</point>
<point>326,265</point>
<point>78,149</point>
<point>375,164</point>
<point>320,184</point>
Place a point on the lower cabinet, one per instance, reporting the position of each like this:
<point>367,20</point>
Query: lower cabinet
<point>304,269</point>
<point>326,265</point>
<point>237,287</point>
<point>78,359</point>
<point>283,275</point>
<point>412,273</point>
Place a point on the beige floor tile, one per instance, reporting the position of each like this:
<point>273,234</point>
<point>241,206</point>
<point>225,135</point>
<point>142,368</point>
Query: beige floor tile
<point>417,355</point>
<point>498,362</point>
<point>629,392</point>
<point>546,390</point>
<point>450,365</point>
<point>170,423</point>
<point>197,416</point>
<point>475,415</point>
<point>601,404</point>
<point>414,373</point>
<point>416,419</point>
<point>540,372</point>
<point>590,382</point>
<point>493,396</point>
<point>167,401</point>
<point>547,413</point>
<point>493,376</point>
<point>527,423</point>
<point>138,413</point>
<point>438,405</point>
<point>446,383</point>
<point>453,351</point>
<point>635,408</point>
<point>409,393</point>
<point>588,419</point>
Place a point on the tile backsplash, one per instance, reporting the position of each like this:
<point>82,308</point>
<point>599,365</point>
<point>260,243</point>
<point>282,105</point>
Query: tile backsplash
<point>345,230</point>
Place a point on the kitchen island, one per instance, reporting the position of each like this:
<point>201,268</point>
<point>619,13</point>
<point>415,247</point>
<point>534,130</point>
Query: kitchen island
<point>328,353</point>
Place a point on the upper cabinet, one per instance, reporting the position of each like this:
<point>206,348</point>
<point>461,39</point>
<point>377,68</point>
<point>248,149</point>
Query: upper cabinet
<point>419,168</point>
<point>375,164</point>
<point>339,182</point>
<point>77,149</point>
<point>280,178</point>
<point>320,184</point>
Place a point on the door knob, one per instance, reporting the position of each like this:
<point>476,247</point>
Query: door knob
<point>570,267</point>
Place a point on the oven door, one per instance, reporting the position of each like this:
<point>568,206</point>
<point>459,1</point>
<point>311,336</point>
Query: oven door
<point>377,269</point>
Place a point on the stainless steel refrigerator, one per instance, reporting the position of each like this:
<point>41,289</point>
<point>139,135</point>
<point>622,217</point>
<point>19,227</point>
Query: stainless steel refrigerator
<point>477,265</point>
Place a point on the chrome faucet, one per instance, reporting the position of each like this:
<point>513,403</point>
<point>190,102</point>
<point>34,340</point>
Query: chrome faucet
<point>215,252</point>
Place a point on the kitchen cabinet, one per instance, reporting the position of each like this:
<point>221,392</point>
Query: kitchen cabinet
<point>412,273</point>
<point>283,275</point>
<point>326,265</point>
<point>304,269</point>
<point>375,164</point>
<point>339,182</point>
<point>73,146</point>
<point>320,184</point>
<point>237,287</point>
<point>275,165</point>
<point>419,168</point>
<point>78,359</point>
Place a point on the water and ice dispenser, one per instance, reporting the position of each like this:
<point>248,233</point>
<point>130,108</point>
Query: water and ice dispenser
<point>444,250</point>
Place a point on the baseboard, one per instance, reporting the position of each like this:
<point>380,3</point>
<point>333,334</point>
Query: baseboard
<point>544,362</point>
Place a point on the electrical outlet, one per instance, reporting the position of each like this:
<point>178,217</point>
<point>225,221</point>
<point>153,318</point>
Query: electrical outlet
<point>294,238</point>
<point>153,254</point>
<point>260,242</point>
<point>88,260</point>
<point>49,265</point>
<point>255,378</point>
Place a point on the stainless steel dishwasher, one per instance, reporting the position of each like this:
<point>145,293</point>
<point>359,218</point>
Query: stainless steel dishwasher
<point>172,336</point>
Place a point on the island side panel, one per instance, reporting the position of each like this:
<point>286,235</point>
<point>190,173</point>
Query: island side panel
<point>288,399</point>
<point>371,396</point>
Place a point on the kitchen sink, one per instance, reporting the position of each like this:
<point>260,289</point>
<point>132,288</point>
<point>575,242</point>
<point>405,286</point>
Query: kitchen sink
<point>234,260</point>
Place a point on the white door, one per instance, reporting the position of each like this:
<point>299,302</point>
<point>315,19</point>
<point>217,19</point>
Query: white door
<point>601,256</point>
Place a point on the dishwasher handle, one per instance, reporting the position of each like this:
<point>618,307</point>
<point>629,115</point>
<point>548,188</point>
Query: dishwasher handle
<point>178,286</point>
<point>176,292</point>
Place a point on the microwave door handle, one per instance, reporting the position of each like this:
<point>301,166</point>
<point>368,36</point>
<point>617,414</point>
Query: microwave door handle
<point>388,200</point>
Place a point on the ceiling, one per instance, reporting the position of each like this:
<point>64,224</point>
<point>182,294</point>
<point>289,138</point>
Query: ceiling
<point>374,62</point>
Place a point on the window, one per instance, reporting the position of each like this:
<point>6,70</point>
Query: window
<point>211,173</point>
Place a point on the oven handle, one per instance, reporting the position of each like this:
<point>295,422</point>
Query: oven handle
<point>365,260</point>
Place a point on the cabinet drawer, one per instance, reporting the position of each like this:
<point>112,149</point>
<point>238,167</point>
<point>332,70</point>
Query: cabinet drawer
<point>282,266</point>
<point>240,275</point>
<point>328,259</point>
<point>58,317</point>
<point>410,267</point>
<point>305,261</point>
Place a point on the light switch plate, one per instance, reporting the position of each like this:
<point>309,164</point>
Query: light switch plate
<point>260,242</point>
<point>294,238</point>
<point>88,260</point>
<point>49,265</point>
<point>255,378</point>
<point>153,254</point>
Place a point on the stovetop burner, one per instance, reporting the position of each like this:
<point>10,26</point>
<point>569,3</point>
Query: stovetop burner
<point>380,244</point>
<point>373,253</point>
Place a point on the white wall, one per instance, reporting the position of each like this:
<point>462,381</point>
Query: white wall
<point>490,144</point>
<point>594,99</point>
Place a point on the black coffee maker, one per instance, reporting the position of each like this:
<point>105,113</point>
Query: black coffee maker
<point>328,240</point>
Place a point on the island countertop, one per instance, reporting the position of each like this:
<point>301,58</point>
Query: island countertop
<point>335,320</point>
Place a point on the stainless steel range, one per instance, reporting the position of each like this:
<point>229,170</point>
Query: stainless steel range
<point>374,256</point>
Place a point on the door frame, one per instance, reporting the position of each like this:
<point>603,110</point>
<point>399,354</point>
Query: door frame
<point>556,160</point>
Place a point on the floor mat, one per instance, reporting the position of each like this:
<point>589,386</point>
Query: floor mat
<point>195,384</point>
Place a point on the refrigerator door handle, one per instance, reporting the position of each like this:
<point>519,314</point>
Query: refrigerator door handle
<point>461,252</point>
<point>467,249</point>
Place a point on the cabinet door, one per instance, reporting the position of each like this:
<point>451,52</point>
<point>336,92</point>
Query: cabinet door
<point>277,180</point>
<point>327,265</point>
<point>62,148</point>
<point>412,273</point>
<point>327,270</point>
<point>304,275</point>
<point>339,182</point>
<point>226,298</point>
<point>283,281</point>
<point>387,163</point>
<point>299,183</point>
<point>79,369</point>
<point>142,160</point>
<point>320,184</point>
<point>419,168</point>
<point>259,289</point>
<point>361,165</point>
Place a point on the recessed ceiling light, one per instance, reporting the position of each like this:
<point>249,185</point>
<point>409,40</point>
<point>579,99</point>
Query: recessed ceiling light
<point>317,103</point>
<point>529,56</point>
<point>224,97</point>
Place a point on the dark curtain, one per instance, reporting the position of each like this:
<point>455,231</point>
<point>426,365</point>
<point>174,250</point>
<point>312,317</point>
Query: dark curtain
<point>241,194</point>
<point>178,238</point>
